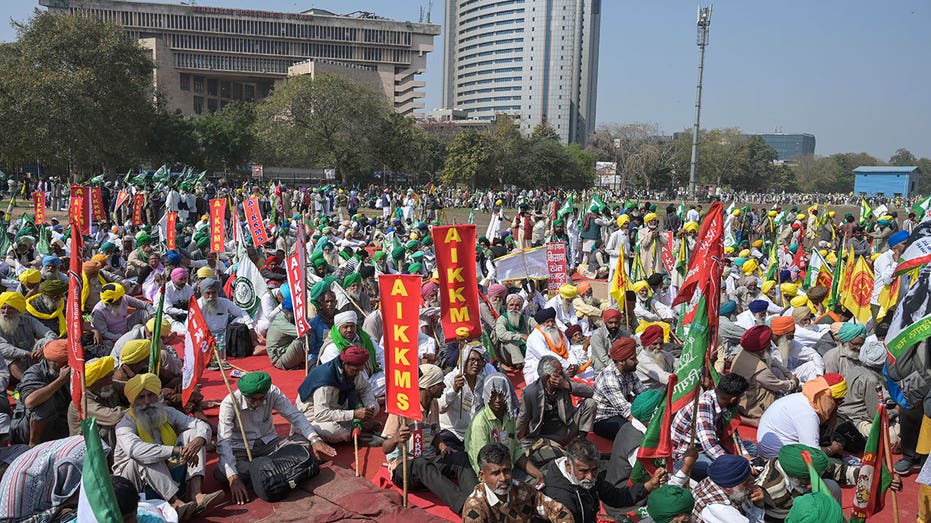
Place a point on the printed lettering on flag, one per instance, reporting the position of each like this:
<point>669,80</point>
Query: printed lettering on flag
<point>121,198</point>
<point>400,297</point>
<point>198,344</point>
<point>556,264</point>
<point>98,213</point>
<point>38,202</point>
<point>171,233</point>
<point>138,203</point>
<point>295,272</point>
<point>78,209</point>
<point>668,257</point>
<point>254,221</point>
<point>217,224</point>
<point>455,260</point>
<point>73,316</point>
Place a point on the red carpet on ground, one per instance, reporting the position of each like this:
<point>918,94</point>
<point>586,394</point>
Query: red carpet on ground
<point>337,495</point>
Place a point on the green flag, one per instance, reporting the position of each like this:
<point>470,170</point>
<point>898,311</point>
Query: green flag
<point>596,205</point>
<point>472,216</point>
<point>652,450</point>
<point>692,360</point>
<point>44,247</point>
<point>865,212</point>
<point>96,500</point>
<point>680,212</point>
<point>773,267</point>
<point>566,208</point>
<point>922,208</point>
<point>155,352</point>
<point>834,295</point>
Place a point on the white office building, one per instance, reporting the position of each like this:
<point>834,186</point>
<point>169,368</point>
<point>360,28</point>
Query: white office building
<point>536,60</point>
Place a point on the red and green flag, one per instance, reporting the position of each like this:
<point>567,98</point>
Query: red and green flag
<point>874,478</point>
<point>155,351</point>
<point>657,441</point>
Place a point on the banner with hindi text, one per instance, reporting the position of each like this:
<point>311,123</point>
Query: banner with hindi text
<point>254,221</point>
<point>198,346</point>
<point>74,316</point>
<point>98,213</point>
<point>138,203</point>
<point>38,203</point>
<point>556,264</point>
<point>400,305</point>
<point>455,261</point>
<point>217,224</point>
<point>295,271</point>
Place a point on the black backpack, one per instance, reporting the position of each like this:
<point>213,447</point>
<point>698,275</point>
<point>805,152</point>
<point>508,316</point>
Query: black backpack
<point>275,476</point>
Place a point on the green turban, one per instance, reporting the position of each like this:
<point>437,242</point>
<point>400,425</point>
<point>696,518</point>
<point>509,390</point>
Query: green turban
<point>415,268</point>
<point>379,255</point>
<point>318,260</point>
<point>320,287</point>
<point>106,246</point>
<point>851,331</point>
<point>397,253</point>
<point>417,256</point>
<point>55,287</point>
<point>559,223</point>
<point>645,404</point>
<point>669,501</point>
<point>792,463</point>
<point>254,383</point>
<point>816,507</point>
<point>427,241</point>
<point>413,244</point>
<point>352,279</point>
<point>202,242</point>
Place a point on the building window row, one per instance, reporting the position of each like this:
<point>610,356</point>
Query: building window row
<point>507,41</point>
<point>491,34</point>
<point>486,16</point>
<point>471,56</point>
<point>500,70</point>
<point>231,63</point>
<point>491,24</point>
<point>489,62</point>
<point>498,80</point>
<point>486,6</point>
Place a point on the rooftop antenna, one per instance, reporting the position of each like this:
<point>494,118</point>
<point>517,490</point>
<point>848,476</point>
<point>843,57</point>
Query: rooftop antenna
<point>420,20</point>
<point>429,11</point>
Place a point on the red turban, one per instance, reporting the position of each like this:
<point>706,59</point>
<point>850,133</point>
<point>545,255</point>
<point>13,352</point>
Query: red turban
<point>757,338</point>
<point>650,335</point>
<point>782,325</point>
<point>56,351</point>
<point>572,330</point>
<point>354,355</point>
<point>272,259</point>
<point>623,349</point>
<point>611,314</point>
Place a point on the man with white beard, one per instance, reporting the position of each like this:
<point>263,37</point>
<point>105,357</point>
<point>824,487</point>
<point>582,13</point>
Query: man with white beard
<point>802,361</point>
<point>103,400</point>
<point>431,325</point>
<point>50,269</point>
<point>220,312</point>
<point>178,294</point>
<point>768,378</point>
<point>547,339</point>
<point>728,494</point>
<point>512,329</point>
<point>655,364</point>
<point>152,439</point>
<point>565,310</point>
<point>111,316</point>
<point>48,306</point>
<point>22,338</point>
<point>754,315</point>
<point>352,283</point>
<point>345,333</point>
<point>44,395</point>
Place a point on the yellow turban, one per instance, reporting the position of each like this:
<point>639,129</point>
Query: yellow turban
<point>100,258</point>
<point>623,219</point>
<point>772,214</point>
<point>823,252</point>
<point>799,301</point>
<point>767,286</point>
<point>874,256</point>
<point>166,326</point>
<point>831,258</point>
<point>96,369</point>
<point>750,266</point>
<point>568,291</point>
<point>111,293</point>
<point>728,250</point>
<point>690,227</point>
<point>736,212</point>
<point>414,236</point>
<point>135,351</point>
<point>745,253</point>
<point>13,299</point>
<point>650,217</point>
<point>831,214</point>
<point>641,285</point>
<point>757,243</point>
<point>800,217</point>
<point>206,272</point>
<point>30,277</point>
<point>789,289</point>
<point>141,382</point>
<point>887,217</point>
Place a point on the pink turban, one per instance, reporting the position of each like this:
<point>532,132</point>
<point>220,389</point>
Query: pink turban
<point>178,274</point>
<point>428,289</point>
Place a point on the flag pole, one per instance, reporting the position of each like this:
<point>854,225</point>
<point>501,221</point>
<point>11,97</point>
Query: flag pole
<point>887,456</point>
<point>404,466</point>
<point>226,381</point>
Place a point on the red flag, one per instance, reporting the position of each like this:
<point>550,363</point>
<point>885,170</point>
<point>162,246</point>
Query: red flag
<point>254,221</point>
<point>801,259</point>
<point>98,214</point>
<point>400,299</point>
<point>657,441</point>
<point>38,202</point>
<point>79,210</point>
<point>198,343</point>
<point>138,203</point>
<point>455,261</point>
<point>294,267</point>
<point>171,221</point>
<point>73,315</point>
<point>121,198</point>
<point>706,264</point>
<point>217,224</point>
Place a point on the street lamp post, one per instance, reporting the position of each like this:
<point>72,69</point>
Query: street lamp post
<point>704,24</point>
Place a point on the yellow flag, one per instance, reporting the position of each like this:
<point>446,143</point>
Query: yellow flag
<point>860,290</point>
<point>619,282</point>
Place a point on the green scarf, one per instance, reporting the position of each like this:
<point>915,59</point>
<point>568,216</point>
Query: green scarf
<point>341,344</point>
<point>519,328</point>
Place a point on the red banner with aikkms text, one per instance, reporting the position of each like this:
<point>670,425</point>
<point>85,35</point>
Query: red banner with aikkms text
<point>79,209</point>
<point>400,308</point>
<point>138,204</point>
<point>217,224</point>
<point>38,202</point>
<point>455,261</point>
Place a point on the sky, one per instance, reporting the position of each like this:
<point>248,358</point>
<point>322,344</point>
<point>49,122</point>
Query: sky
<point>855,74</point>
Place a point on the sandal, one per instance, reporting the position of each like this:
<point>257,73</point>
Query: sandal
<point>209,500</point>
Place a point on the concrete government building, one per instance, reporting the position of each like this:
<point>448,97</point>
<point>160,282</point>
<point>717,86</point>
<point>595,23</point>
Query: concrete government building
<point>207,57</point>
<point>536,60</point>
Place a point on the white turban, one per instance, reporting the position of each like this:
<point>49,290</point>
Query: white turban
<point>873,352</point>
<point>345,317</point>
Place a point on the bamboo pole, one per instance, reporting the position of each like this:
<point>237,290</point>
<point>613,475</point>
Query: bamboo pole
<point>226,381</point>
<point>887,456</point>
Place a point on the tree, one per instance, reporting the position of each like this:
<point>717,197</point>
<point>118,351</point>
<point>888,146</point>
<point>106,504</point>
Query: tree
<point>78,92</point>
<point>170,139</point>
<point>470,158</point>
<point>325,121</point>
<point>225,139</point>
<point>903,157</point>
<point>819,174</point>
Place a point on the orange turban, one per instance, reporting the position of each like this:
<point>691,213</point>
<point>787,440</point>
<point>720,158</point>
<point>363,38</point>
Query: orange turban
<point>56,351</point>
<point>783,325</point>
